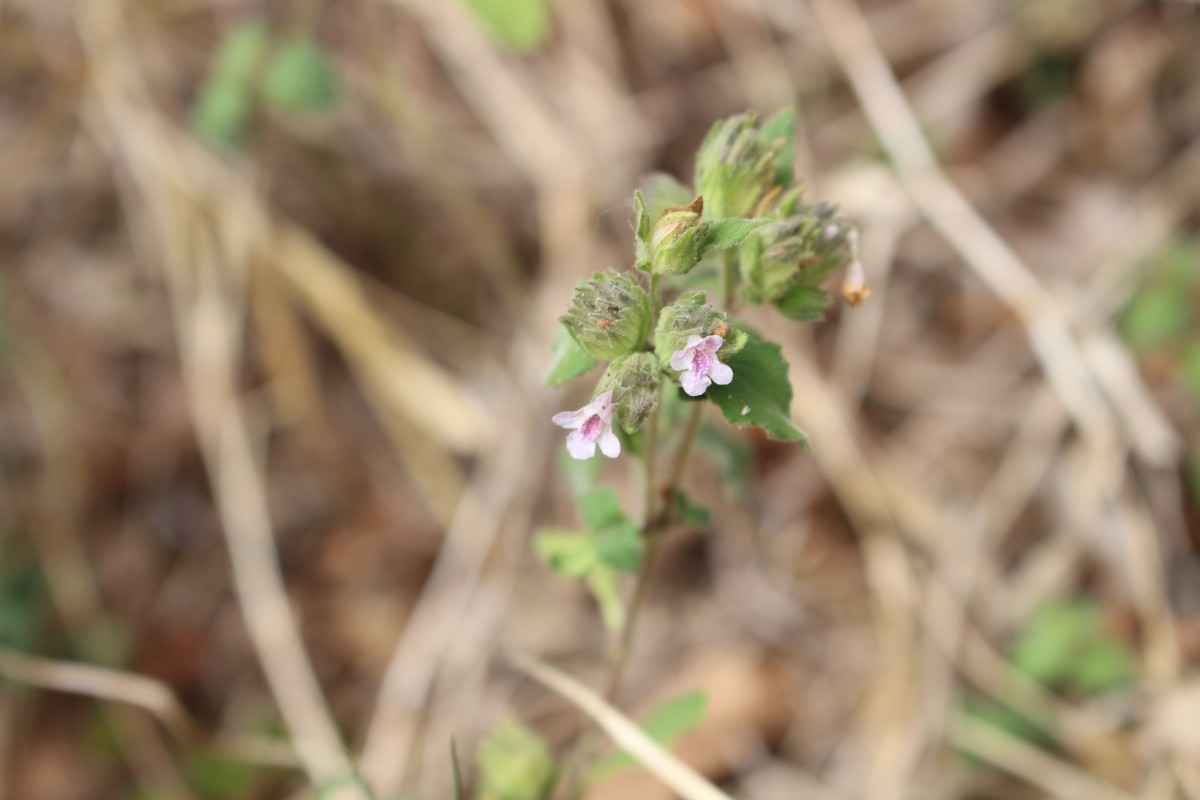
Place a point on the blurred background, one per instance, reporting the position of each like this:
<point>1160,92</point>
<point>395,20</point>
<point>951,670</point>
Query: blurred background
<point>278,281</point>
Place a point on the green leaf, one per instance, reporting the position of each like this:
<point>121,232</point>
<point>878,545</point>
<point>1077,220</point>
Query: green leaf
<point>759,393</point>
<point>661,191</point>
<point>723,233</point>
<point>600,509</point>
<point>602,580</point>
<point>1156,316</point>
<point>1190,369</point>
<point>782,127</point>
<point>300,78</point>
<point>520,25</point>
<point>731,454</point>
<point>1047,647</point>
<point>222,107</point>
<point>1008,720</point>
<point>515,764</point>
<point>688,511</point>
<point>621,547</point>
<point>1108,665</point>
<point>664,724</point>
<point>567,359</point>
<point>566,552</point>
<point>804,303</point>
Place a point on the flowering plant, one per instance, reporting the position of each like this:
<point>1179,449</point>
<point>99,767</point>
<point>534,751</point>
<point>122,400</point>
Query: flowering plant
<point>666,341</point>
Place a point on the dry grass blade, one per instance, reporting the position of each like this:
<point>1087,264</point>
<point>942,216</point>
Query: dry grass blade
<point>670,770</point>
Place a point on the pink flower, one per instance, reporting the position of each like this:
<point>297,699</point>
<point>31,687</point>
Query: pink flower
<point>589,425</point>
<point>698,362</point>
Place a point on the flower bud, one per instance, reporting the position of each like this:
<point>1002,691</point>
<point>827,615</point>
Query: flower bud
<point>690,316</point>
<point>676,241</point>
<point>635,381</point>
<point>854,285</point>
<point>609,315</point>
<point>802,248</point>
<point>736,166</point>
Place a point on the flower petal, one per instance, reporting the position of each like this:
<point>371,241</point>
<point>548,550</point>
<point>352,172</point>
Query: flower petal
<point>694,383</point>
<point>579,447</point>
<point>713,343</point>
<point>610,445</point>
<point>720,373</point>
<point>681,359</point>
<point>694,341</point>
<point>571,419</point>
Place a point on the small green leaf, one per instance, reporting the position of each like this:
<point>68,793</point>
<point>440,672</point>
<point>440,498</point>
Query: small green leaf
<point>567,359</point>
<point>601,509</point>
<point>1047,647</point>
<point>602,580</point>
<point>300,78</point>
<point>759,393</point>
<point>664,724</point>
<point>688,511</point>
<point>804,303</point>
<point>621,547</point>
<point>222,107</point>
<point>566,552</point>
<point>1157,315</point>
<point>520,25</point>
<point>723,233</point>
<point>514,764</point>
<point>1107,665</point>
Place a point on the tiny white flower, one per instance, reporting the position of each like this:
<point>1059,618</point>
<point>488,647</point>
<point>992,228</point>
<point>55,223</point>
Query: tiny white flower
<point>699,365</point>
<point>589,426</point>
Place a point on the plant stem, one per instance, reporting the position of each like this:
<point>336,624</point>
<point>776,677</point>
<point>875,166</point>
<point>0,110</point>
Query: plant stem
<point>729,271</point>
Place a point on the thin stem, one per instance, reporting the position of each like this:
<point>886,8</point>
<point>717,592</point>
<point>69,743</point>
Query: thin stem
<point>729,272</point>
<point>655,303</point>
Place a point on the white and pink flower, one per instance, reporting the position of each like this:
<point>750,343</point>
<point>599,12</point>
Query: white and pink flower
<point>589,426</point>
<point>699,365</point>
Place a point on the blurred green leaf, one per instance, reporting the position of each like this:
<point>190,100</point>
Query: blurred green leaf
<point>520,25</point>
<point>664,724</point>
<point>1157,315</point>
<point>1067,646</point>
<point>621,547</point>
<point>804,303</point>
<point>579,473</point>
<point>567,359</point>
<point>300,78</point>
<point>688,511</point>
<point>760,393</point>
<point>602,580</point>
<point>1190,369</point>
<point>723,233</point>
<point>220,778</point>
<point>223,105</point>
<point>514,764</point>
<point>600,508</point>
<point>662,191</point>
<point>733,456</point>
<point>1006,719</point>
<point>1107,665</point>
<point>566,552</point>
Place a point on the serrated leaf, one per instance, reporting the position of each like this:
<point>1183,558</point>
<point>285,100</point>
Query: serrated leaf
<point>664,724</point>
<point>723,233</point>
<point>621,547</point>
<point>1156,316</point>
<point>600,509</point>
<point>515,764</point>
<point>602,581</point>
<point>759,393</point>
<point>804,303</point>
<point>567,359</point>
<point>520,25</point>
<point>300,78</point>
<point>566,552</point>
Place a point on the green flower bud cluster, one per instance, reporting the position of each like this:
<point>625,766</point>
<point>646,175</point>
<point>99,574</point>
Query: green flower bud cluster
<point>801,248</point>
<point>691,315</point>
<point>737,166</point>
<point>609,315</point>
<point>635,381</point>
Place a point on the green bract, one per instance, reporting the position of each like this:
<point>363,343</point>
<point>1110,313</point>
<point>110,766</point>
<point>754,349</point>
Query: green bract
<point>609,315</point>
<point>736,166</point>
<point>635,381</point>
<point>691,316</point>
<point>801,249</point>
